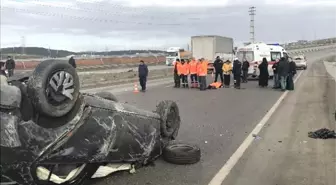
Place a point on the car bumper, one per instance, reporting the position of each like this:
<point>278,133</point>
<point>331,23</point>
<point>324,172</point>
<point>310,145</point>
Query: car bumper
<point>301,65</point>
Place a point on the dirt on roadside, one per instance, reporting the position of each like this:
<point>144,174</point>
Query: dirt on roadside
<point>108,79</point>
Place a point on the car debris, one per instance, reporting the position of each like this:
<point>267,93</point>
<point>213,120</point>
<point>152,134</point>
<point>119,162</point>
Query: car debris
<point>323,133</point>
<point>51,133</point>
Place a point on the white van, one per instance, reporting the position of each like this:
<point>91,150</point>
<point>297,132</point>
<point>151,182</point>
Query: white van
<point>254,53</point>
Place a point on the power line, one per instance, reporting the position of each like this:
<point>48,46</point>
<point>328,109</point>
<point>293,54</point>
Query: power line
<point>252,11</point>
<point>120,7</point>
<point>22,10</point>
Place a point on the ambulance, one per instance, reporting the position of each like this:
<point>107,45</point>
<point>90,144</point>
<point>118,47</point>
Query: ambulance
<point>254,53</point>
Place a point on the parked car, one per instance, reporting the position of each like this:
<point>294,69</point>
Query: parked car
<point>300,61</point>
<point>53,134</point>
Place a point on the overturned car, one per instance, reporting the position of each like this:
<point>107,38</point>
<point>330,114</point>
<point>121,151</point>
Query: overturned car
<point>53,134</point>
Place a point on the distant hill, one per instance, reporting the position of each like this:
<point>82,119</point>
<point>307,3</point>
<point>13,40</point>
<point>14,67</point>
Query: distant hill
<point>44,52</point>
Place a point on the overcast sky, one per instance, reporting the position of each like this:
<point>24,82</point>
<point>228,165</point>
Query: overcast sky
<point>79,25</point>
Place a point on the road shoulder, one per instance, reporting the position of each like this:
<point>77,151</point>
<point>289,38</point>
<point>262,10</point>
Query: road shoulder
<point>282,153</point>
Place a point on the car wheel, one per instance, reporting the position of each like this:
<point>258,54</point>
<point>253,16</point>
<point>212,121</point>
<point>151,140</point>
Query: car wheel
<point>170,119</point>
<point>271,77</point>
<point>107,95</point>
<point>53,88</point>
<point>51,174</point>
<point>181,153</point>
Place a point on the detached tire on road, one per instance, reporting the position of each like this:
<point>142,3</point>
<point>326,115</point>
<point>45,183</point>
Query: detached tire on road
<point>53,88</point>
<point>181,153</point>
<point>107,95</point>
<point>170,119</point>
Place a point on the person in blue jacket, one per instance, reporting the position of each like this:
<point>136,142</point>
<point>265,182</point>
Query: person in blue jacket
<point>143,73</point>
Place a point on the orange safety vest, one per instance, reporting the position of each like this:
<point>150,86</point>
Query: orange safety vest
<point>179,68</point>
<point>193,67</point>
<point>216,85</point>
<point>203,69</point>
<point>185,69</point>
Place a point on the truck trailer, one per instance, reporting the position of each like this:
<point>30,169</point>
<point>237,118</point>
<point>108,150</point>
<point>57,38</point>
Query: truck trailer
<point>211,46</point>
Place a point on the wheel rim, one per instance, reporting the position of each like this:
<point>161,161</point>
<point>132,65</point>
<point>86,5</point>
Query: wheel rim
<point>60,87</point>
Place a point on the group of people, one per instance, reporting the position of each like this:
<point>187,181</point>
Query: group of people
<point>198,70</point>
<point>283,70</point>
<point>9,65</point>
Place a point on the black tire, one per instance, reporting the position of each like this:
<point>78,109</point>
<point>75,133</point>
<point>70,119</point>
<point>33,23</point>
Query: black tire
<point>170,119</point>
<point>85,174</point>
<point>44,88</point>
<point>271,77</point>
<point>107,95</point>
<point>181,153</point>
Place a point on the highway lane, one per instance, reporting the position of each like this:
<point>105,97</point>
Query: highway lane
<point>217,120</point>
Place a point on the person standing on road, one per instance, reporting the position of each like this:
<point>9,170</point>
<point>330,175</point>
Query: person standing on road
<point>72,62</point>
<point>143,73</point>
<point>10,66</point>
<point>227,70</point>
<point>245,69</point>
<point>263,73</point>
<point>237,70</point>
<point>202,74</point>
<point>193,72</point>
<point>291,74</point>
<point>184,73</point>
<point>218,65</point>
<point>275,74</point>
<point>177,73</point>
<point>283,69</point>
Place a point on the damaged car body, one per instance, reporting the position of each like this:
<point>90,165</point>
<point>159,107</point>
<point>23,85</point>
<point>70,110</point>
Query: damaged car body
<point>53,134</point>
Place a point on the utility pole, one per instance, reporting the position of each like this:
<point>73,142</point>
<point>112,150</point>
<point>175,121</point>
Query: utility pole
<point>23,45</point>
<point>252,11</point>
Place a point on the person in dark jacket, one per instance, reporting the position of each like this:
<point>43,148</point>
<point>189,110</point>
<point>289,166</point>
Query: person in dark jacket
<point>72,62</point>
<point>291,74</point>
<point>218,65</point>
<point>10,66</point>
<point>2,68</point>
<point>245,69</point>
<point>283,69</point>
<point>275,74</point>
<point>143,73</point>
<point>263,75</point>
<point>237,65</point>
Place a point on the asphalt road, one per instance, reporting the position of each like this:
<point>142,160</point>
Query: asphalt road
<point>217,120</point>
<point>283,152</point>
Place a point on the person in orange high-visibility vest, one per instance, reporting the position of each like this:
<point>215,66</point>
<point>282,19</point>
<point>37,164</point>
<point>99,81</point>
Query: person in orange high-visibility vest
<point>177,73</point>
<point>193,73</point>
<point>202,74</point>
<point>184,73</point>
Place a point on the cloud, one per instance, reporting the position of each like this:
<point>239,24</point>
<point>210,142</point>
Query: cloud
<point>157,24</point>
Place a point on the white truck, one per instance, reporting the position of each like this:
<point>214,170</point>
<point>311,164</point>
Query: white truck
<point>211,46</point>
<point>254,53</point>
<point>174,53</point>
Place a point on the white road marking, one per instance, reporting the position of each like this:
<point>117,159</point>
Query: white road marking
<point>225,170</point>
